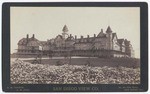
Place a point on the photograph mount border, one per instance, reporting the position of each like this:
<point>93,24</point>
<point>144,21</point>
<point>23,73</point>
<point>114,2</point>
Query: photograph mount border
<point>8,87</point>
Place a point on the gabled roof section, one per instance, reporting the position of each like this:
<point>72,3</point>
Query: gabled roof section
<point>120,41</point>
<point>127,43</point>
<point>114,35</point>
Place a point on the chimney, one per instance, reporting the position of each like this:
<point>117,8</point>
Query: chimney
<point>70,35</point>
<point>33,36</point>
<point>102,30</point>
<point>88,36</point>
<point>75,37</point>
<point>94,35</point>
<point>27,36</point>
<point>81,37</point>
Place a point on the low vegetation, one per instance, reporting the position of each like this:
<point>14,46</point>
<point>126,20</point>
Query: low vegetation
<point>27,73</point>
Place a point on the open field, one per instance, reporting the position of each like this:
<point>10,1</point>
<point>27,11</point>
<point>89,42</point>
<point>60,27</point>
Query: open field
<point>111,62</point>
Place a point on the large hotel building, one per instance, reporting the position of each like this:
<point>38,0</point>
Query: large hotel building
<point>104,44</point>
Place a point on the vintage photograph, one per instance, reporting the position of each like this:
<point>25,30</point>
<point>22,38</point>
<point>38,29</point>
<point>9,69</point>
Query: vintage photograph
<point>75,45</point>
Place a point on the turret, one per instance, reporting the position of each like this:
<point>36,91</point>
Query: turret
<point>65,30</point>
<point>109,38</point>
<point>108,31</point>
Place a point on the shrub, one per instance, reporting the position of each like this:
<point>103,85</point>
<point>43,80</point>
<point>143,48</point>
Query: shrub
<point>27,73</point>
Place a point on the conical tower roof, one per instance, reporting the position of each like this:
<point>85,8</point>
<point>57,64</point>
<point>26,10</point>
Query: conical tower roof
<point>65,29</point>
<point>108,30</point>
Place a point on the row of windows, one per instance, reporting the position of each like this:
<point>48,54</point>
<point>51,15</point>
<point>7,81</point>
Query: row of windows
<point>27,51</point>
<point>24,51</point>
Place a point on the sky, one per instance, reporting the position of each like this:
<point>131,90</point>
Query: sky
<point>47,22</point>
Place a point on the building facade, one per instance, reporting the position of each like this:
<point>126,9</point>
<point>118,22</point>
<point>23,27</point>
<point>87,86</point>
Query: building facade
<point>104,44</point>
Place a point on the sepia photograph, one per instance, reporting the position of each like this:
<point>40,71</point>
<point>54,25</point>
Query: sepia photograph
<point>75,45</point>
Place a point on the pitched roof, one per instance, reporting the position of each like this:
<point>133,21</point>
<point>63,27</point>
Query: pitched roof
<point>65,28</point>
<point>113,35</point>
<point>120,41</point>
<point>33,43</point>
<point>127,43</point>
<point>59,36</point>
<point>108,30</point>
<point>101,34</point>
<point>25,41</point>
